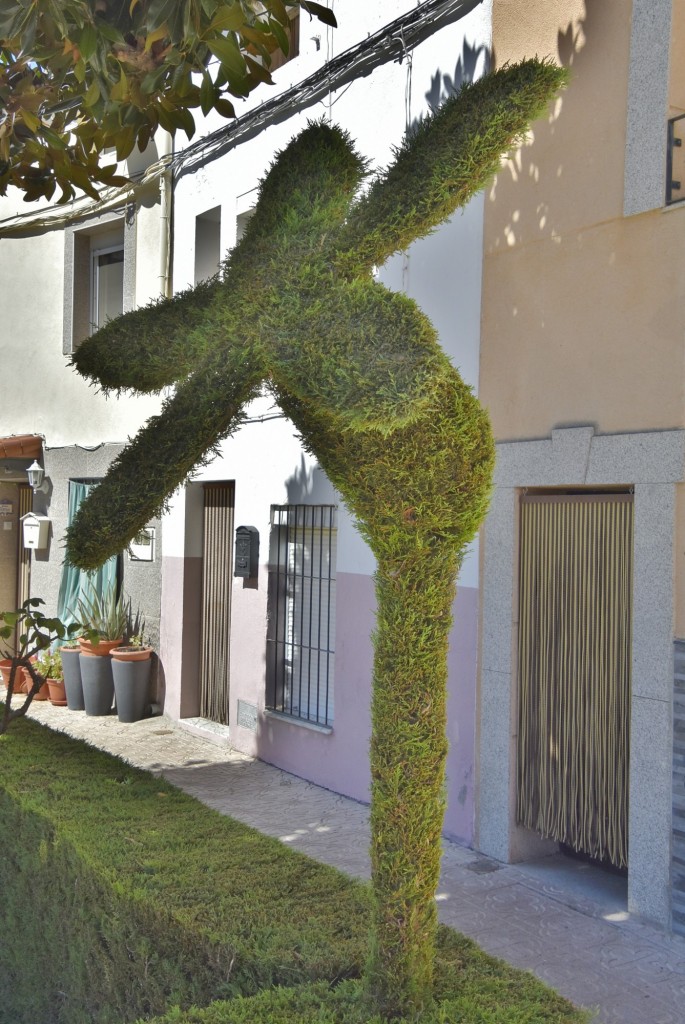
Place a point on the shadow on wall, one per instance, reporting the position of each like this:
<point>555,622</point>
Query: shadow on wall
<point>584,124</point>
<point>309,485</point>
<point>473,62</point>
<point>465,70</point>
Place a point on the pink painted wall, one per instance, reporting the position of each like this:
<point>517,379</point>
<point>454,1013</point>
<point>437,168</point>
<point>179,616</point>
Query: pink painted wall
<point>339,760</point>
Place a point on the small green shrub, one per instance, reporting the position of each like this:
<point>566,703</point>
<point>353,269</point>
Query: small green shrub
<point>49,664</point>
<point>489,992</point>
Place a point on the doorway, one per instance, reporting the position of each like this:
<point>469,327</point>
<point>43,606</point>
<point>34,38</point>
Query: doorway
<point>574,670</point>
<point>217,583</point>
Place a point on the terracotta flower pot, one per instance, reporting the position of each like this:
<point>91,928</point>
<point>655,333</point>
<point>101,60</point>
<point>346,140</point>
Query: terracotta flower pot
<point>101,648</point>
<point>132,653</point>
<point>56,692</point>
<point>5,669</point>
<point>28,683</point>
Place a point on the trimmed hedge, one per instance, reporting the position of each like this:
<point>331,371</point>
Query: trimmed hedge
<point>121,895</point>
<point>470,988</point>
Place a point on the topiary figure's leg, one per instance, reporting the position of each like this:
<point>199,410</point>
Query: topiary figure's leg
<point>419,494</point>
<point>445,160</point>
<point>408,755</point>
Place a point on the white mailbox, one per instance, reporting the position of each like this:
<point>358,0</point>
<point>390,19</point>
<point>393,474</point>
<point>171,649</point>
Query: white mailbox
<point>36,530</point>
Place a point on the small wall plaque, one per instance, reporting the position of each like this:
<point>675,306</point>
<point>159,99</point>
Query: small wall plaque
<point>247,715</point>
<point>142,547</point>
<point>6,508</point>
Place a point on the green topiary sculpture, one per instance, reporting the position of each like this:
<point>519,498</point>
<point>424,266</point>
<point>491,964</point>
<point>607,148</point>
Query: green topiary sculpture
<point>359,370</point>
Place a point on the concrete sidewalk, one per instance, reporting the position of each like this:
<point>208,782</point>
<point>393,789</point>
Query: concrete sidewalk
<point>564,921</point>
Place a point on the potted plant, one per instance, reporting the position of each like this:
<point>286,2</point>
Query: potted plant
<point>25,633</point>
<point>71,668</point>
<point>42,693</point>
<point>104,620</point>
<point>131,667</point>
<point>49,666</point>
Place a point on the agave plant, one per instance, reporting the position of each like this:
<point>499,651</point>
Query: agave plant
<point>106,614</point>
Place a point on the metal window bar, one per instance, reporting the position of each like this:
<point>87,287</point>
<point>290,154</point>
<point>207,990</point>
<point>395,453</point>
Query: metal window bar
<point>674,162</point>
<point>301,634</point>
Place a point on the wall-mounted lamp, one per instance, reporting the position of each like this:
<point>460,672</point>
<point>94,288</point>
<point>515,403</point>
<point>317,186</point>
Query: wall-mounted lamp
<point>36,476</point>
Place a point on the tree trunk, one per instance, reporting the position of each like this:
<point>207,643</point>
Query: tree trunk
<point>408,754</point>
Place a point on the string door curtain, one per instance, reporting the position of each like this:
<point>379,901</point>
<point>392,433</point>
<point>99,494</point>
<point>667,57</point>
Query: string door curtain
<point>217,584</point>
<point>75,584</point>
<point>575,610</point>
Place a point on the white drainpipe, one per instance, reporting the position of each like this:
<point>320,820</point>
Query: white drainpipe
<point>165,150</point>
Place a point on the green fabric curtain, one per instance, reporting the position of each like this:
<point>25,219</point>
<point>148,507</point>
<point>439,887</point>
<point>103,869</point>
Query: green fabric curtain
<point>76,584</point>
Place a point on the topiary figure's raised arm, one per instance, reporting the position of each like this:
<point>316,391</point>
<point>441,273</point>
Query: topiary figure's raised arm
<point>150,348</point>
<point>205,409</point>
<point>445,160</point>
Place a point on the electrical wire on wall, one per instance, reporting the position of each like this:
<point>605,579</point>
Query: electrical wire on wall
<point>329,58</point>
<point>408,56</point>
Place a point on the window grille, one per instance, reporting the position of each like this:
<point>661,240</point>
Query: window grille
<point>301,631</point>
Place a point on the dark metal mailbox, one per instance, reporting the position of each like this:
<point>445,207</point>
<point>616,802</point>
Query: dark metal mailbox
<point>246,552</point>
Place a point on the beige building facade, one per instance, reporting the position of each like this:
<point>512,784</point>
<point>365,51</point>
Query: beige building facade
<point>582,350</point>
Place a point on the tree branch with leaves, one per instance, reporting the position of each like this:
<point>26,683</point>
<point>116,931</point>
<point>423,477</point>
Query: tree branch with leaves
<point>35,632</point>
<point>78,77</point>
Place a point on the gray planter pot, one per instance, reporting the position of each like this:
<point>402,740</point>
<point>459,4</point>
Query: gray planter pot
<point>132,688</point>
<point>72,679</point>
<point>97,682</point>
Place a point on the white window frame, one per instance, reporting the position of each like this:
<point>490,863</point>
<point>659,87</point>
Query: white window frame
<point>94,280</point>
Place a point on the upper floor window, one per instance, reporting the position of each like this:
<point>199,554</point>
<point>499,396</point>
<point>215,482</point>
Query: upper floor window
<point>675,160</point>
<point>107,285</point>
<point>99,275</point>
<point>207,244</point>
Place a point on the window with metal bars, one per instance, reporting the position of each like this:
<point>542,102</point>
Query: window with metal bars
<point>301,630</point>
